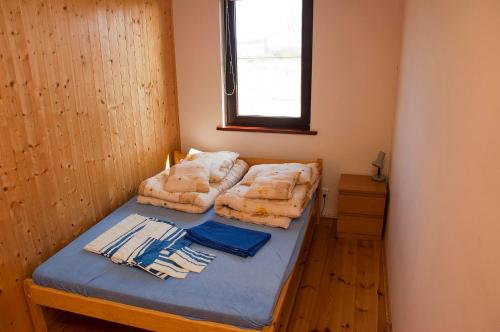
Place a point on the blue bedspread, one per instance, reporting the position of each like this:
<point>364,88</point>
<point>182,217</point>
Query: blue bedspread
<point>232,290</point>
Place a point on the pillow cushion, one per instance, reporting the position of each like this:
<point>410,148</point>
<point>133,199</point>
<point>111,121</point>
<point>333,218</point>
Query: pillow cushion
<point>218,163</point>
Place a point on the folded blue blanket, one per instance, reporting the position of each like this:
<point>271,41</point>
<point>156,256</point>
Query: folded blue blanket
<point>234,240</point>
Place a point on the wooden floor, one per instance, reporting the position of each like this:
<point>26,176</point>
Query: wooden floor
<point>342,289</point>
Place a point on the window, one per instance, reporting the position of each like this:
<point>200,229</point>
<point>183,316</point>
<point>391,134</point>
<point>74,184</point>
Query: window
<point>268,46</point>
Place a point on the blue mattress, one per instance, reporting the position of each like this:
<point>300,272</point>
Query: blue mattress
<point>232,290</point>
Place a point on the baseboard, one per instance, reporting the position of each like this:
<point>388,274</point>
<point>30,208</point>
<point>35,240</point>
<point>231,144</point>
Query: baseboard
<point>385,323</point>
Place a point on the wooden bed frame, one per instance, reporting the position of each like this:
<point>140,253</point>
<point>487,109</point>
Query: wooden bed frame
<point>39,297</point>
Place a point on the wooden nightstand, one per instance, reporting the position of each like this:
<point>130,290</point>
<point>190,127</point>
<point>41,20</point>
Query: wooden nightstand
<point>361,207</point>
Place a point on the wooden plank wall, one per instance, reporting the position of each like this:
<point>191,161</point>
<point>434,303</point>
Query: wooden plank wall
<point>88,108</point>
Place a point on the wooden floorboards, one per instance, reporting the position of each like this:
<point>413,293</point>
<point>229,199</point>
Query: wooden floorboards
<point>342,290</point>
<point>340,287</point>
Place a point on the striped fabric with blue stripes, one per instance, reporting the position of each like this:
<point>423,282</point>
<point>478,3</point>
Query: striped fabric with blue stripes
<point>156,246</point>
<point>175,258</point>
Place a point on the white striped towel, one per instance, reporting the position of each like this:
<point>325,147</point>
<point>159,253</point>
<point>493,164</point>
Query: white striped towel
<point>175,259</point>
<point>159,244</point>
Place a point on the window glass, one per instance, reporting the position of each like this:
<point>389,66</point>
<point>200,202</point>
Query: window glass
<point>268,44</point>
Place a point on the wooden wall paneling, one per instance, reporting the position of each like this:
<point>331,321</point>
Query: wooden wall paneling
<point>139,53</point>
<point>58,126</point>
<point>162,100</point>
<point>148,8</point>
<point>78,141</point>
<point>126,90</point>
<point>6,241</point>
<point>112,14</point>
<point>11,178</point>
<point>160,71</point>
<point>117,61</point>
<point>150,28</point>
<point>145,84</point>
<point>151,8</point>
<point>78,131</point>
<point>132,85</point>
<point>133,88</point>
<point>149,41</point>
<point>7,176</point>
<point>70,135</point>
<point>141,117</point>
<point>137,98</point>
<point>140,68</point>
<point>40,146</point>
<point>38,86</point>
<point>145,74</point>
<point>167,72</point>
<point>95,62</point>
<point>109,93</point>
<point>74,92</point>
<point>87,102</point>
<point>157,44</point>
<point>170,78</point>
<point>21,130</point>
<point>15,308</point>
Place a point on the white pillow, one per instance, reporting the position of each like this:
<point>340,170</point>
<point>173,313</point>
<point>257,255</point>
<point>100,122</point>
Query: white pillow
<point>218,163</point>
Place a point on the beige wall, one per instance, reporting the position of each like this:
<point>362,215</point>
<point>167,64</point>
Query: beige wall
<point>443,242</point>
<point>355,69</point>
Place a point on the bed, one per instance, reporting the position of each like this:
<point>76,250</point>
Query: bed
<point>231,294</point>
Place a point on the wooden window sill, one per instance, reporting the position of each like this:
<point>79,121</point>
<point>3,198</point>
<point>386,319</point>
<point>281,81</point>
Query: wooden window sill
<point>268,130</point>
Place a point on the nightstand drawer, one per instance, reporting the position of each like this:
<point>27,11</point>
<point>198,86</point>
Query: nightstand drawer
<point>360,225</point>
<point>361,204</point>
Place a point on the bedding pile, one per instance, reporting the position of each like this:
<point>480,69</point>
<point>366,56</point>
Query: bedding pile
<point>155,246</point>
<point>193,184</point>
<point>270,194</point>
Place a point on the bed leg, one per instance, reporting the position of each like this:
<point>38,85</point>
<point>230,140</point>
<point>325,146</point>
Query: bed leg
<point>36,311</point>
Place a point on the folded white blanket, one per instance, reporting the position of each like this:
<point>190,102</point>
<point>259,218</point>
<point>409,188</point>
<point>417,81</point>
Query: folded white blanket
<point>305,170</point>
<point>184,207</point>
<point>187,176</point>
<point>271,212</point>
<point>218,163</point>
<point>273,185</point>
<point>268,220</point>
<point>151,191</point>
